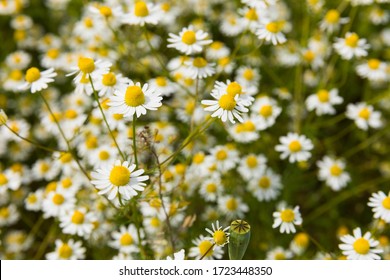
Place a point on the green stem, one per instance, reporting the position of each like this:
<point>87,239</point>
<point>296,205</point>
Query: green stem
<point>135,141</point>
<point>105,119</point>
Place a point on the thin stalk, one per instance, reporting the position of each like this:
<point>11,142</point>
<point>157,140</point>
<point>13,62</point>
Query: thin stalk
<point>135,141</point>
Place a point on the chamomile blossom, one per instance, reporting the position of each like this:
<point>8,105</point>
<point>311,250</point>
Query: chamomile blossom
<point>250,165</point>
<point>358,247</point>
<point>120,179</point>
<point>333,173</point>
<point>163,85</point>
<point>266,185</point>
<point>323,101</point>
<point>106,85</point>
<point>211,188</point>
<point>332,21</point>
<point>57,203</point>
<point>264,112</point>
<point>9,215</point>
<point>272,32</point>
<point>380,203</point>
<point>205,249</point>
<point>18,60</point>
<point>223,157</point>
<point>37,80</point>
<point>279,253</point>
<point>294,146</point>
<point>232,25</point>
<point>287,218</point>
<point>300,243</point>
<point>33,201</point>
<point>142,13</point>
<point>77,221</point>
<point>88,67</point>
<point>219,235</point>
<point>217,50</point>
<point>125,239</point>
<point>199,68</point>
<point>374,70</point>
<point>189,41</point>
<point>248,76</point>
<point>70,250</point>
<point>244,132</point>
<point>364,115</point>
<point>351,46</point>
<point>232,206</point>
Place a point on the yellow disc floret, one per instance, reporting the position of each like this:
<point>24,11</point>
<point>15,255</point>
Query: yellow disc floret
<point>78,217</point>
<point>188,37</point>
<point>266,111</point>
<point>361,246</point>
<point>323,95</point>
<point>251,161</point>
<point>365,113</point>
<point>352,40</point>
<point>65,251</point>
<point>219,237</point>
<point>199,62</point>
<point>295,146</point>
<point>58,199</point>
<point>86,65</point>
<point>335,170</point>
<point>264,182</point>
<point>386,203</point>
<point>141,9</point>
<point>134,96</point>
<point>119,175</point>
<point>287,215</point>
<point>332,16</point>
<point>205,248</point>
<point>227,102</point>
<point>33,74</point>
<point>373,63</point>
<point>109,79</point>
<point>234,88</point>
<point>231,204</point>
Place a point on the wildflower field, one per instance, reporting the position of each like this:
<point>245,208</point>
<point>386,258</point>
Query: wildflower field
<point>194,129</point>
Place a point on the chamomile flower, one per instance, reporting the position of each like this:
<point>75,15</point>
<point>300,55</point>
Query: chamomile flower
<point>77,221</point>
<point>33,201</point>
<point>333,173</point>
<point>199,68</point>
<point>250,165</point>
<point>163,85</point>
<point>379,16</point>
<point>217,50</point>
<point>189,41</point>
<point>225,106</point>
<point>364,115</point>
<point>294,146</point>
<point>279,253</point>
<point>224,157</point>
<point>121,179</point>
<point>57,203</point>
<point>88,67</point>
<point>232,206</point>
<point>205,249</point>
<point>9,180</point>
<point>125,239</point>
<point>266,185</point>
<point>300,243</point>
<point>248,76</point>
<point>287,218</point>
<point>108,82</point>
<point>211,188</point>
<point>264,112</point>
<point>232,25</point>
<point>69,250</point>
<point>244,132</point>
<point>219,235</point>
<point>332,21</point>
<point>18,60</point>
<point>351,46</point>
<point>374,70</point>
<point>133,99</point>
<point>380,203</point>
<point>358,247</point>
<point>142,13</point>
<point>38,80</point>
<point>323,101</point>
<point>9,215</point>
<point>272,32</point>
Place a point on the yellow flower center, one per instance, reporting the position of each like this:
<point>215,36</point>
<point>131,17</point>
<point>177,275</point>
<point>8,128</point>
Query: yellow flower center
<point>65,251</point>
<point>365,113</point>
<point>231,204</point>
<point>251,161</point>
<point>332,16</point>
<point>352,40</point>
<point>32,75</point>
<point>155,222</point>
<point>266,111</point>
<point>4,212</point>
<point>161,81</point>
<point>216,45</point>
<point>44,167</point>
<point>91,142</point>
<point>155,203</point>
<point>301,239</point>
<point>119,176</point>
<point>361,246</point>
<point>134,96</point>
<point>264,182</point>
<point>199,62</point>
<point>280,256</point>
<point>273,27</point>
<point>219,237</point>
<point>117,116</point>
<point>3,179</point>
<point>66,157</point>
<point>221,155</point>
<point>309,56</point>
<point>88,22</point>
<point>168,176</point>
<point>190,107</point>
<point>32,198</point>
<point>58,199</point>
<point>66,183</point>
<point>165,7</point>
<point>52,186</point>
<point>323,95</point>
<point>373,63</point>
<point>53,53</point>
<point>86,65</point>
<point>248,74</point>
<point>104,155</point>
<point>211,188</point>
<point>386,203</point>
<point>78,217</point>
<point>198,158</point>
<point>16,75</point>
<point>227,102</point>
<point>295,146</point>
<point>109,79</point>
<point>105,11</point>
<point>189,37</point>
<point>287,215</point>
<point>141,9</point>
<point>224,61</point>
<point>205,246</point>
<point>71,114</point>
<point>234,88</point>
<point>252,15</point>
<point>335,170</point>
<point>180,168</point>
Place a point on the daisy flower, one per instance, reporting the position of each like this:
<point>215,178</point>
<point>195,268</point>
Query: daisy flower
<point>244,132</point>
<point>217,50</point>
<point>225,106</point>
<point>119,179</point>
<point>223,157</point>
<point>231,25</point>
<point>247,76</point>
<point>300,243</point>
<point>204,248</point>
<point>272,32</point>
<point>9,215</point>
<point>133,99</point>
<point>279,253</point>
<point>332,21</point>
<point>364,115</point>
<point>351,46</point>
<point>374,70</point>
<point>232,206</point>
<point>125,240</point>
<point>87,67</point>
<point>143,13</point>
<point>323,100</point>
<point>189,41</point>
<point>108,82</point>
<point>77,221</point>
<point>162,84</point>
<point>69,250</point>
<point>250,165</point>
<point>33,201</point>
<point>333,173</point>
<point>37,80</point>
<point>219,235</point>
<point>57,203</point>
<point>294,146</point>
<point>264,112</point>
<point>358,247</point>
<point>9,180</point>
<point>287,218</point>
<point>199,68</point>
<point>265,186</point>
<point>211,188</point>
<point>18,60</point>
<point>381,206</point>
